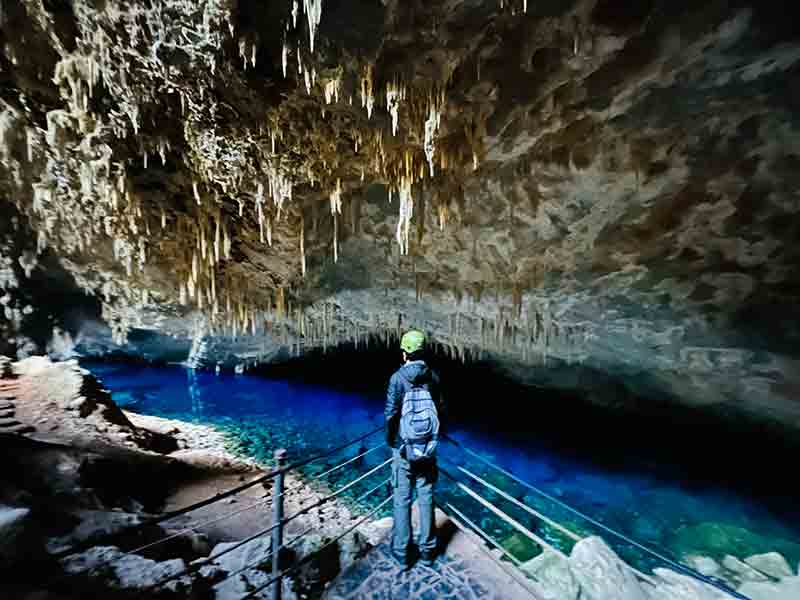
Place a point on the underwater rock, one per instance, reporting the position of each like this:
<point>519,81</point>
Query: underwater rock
<point>720,539</point>
<point>771,563</point>
<point>601,573</point>
<point>552,573</point>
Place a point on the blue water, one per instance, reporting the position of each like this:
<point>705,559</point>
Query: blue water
<point>650,504</point>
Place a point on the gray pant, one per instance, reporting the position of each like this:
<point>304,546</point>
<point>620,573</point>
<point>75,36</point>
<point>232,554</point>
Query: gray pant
<point>406,478</point>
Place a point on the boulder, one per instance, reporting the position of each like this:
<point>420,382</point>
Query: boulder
<point>787,588</point>
<point>704,565</point>
<point>771,563</point>
<point>112,568</point>
<point>553,576</point>
<point>255,554</point>
<point>675,586</point>
<point>741,572</point>
<point>94,525</point>
<point>601,574</point>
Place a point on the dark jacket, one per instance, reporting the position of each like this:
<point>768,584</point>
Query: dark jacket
<point>418,373</point>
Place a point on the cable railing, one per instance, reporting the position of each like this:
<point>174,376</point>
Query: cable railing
<point>538,540</point>
<point>276,526</point>
<point>265,501</point>
<point>483,491</point>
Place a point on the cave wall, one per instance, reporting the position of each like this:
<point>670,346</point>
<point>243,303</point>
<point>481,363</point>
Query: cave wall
<point>573,191</point>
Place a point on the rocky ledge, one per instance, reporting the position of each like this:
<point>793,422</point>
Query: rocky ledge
<point>80,473</point>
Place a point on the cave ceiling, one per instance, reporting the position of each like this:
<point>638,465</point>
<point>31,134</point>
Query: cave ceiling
<point>573,189</point>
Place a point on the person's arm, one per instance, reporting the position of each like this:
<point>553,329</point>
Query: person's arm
<point>394,396</point>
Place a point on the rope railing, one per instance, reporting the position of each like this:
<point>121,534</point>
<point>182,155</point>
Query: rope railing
<point>211,560</point>
<point>457,516</point>
<point>338,467</point>
<point>480,532</point>
<point>674,564</point>
<point>502,515</point>
<point>83,546</point>
<point>307,558</point>
<point>295,539</point>
<point>570,534</point>
<point>177,534</point>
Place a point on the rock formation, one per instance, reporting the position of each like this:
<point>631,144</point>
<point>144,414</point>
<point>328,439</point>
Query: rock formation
<point>565,188</point>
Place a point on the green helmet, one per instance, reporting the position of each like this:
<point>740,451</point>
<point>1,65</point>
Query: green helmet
<point>412,341</point>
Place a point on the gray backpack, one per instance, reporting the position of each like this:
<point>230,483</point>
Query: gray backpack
<point>419,424</point>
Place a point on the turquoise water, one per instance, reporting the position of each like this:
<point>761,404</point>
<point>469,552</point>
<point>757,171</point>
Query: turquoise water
<point>653,503</point>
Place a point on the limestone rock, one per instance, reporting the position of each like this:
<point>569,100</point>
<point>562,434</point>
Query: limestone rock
<point>126,572</point>
<point>253,556</point>
<point>553,576</point>
<point>703,564</point>
<point>676,586</point>
<point>771,563</point>
<point>601,574</point>
<point>787,588</point>
<point>742,572</point>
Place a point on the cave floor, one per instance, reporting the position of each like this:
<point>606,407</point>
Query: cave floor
<point>462,572</point>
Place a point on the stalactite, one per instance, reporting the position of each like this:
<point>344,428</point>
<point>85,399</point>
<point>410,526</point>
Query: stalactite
<point>302,245</point>
<point>367,93</point>
<point>395,94</point>
<point>313,10</point>
<point>335,238</point>
<point>406,212</point>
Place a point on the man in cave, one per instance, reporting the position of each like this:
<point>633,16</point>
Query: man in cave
<point>414,410</point>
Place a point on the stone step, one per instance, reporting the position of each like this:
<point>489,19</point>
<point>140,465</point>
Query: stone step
<point>8,423</point>
<point>6,413</point>
<point>6,405</point>
<point>18,429</point>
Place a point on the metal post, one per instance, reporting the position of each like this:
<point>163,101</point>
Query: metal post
<point>277,517</point>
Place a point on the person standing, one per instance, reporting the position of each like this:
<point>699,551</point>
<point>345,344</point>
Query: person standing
<point>414,412</point>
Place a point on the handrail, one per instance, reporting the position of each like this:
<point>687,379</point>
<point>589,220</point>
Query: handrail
<point>480,532</point>
<point>85,545</point>
<point>310,555</point>
<point>297,537</point>
<point>511,521</point>
<point>192,568</point>
<point>676,565</point>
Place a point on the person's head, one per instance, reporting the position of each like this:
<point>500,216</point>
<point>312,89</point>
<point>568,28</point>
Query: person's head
<point>412,345</point>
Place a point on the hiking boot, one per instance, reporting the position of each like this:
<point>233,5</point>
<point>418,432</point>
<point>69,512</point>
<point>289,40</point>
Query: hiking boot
<point>427,560</point>
<point>404,563</point>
